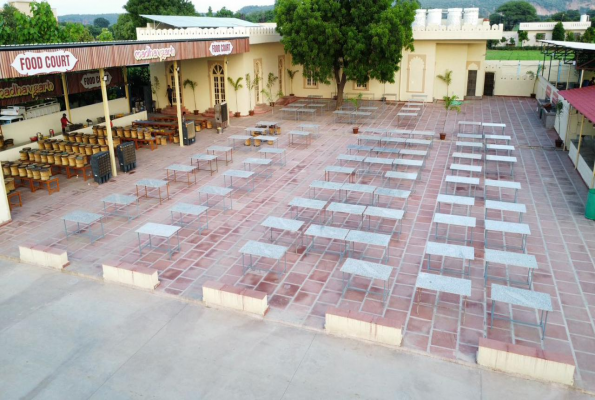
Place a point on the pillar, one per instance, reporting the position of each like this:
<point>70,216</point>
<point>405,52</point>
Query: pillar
<point>66,100</point>
<point>125,73</point>
<point>580,141</point>
<point>178,103</point>
<point>226,89</point>
<point>108,125</point>
<point>4,207</point>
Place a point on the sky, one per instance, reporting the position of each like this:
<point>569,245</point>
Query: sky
<point>115,6</point>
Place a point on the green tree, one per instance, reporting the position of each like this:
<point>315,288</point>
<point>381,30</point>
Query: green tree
<point>570,37</point>
<point>515,12</point>
<point>565,16</point>
<point>75,32</point>
<point>41,27</point>
<point>124,29</point>
<point>136,8</point>
<point>101,22</point>
<point>224,13</point>
<point>105,36</point>
<point>558,32</point>
<point>523,37</point>
<point>8,25</point>
<point>210,12</point>
<point>589,36</point>
<point>346,40</point>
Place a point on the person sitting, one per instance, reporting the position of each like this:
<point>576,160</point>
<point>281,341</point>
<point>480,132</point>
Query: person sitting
<point>65,122</point>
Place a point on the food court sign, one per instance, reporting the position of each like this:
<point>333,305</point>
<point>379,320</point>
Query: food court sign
<point>220,48</point>
<point>44,63</point>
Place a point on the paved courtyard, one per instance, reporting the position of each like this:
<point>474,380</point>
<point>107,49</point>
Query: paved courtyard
<point>65,337</point>
<point>562,239</point>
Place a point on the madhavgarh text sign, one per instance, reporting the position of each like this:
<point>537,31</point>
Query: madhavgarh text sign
<point>25,90</point>
<point>150,53</point>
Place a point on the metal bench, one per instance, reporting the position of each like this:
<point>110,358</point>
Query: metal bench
<point>455,200</point>
<point>455,220</point>
<point>507,227</point>
<point>216,191</point>
<point>407,176</point>
<point>350,158</point>
<point>466,168</point>
<point>457,180</point>
<point>282,224</point>
<point>502,159</point>
<point>235,173</point>
<point>324,185</point>
<point>368,239</point>
<point>264,250</point>
<point>500,184</point>
<point>526,261</point>
<point>497,147</point>
<point>326,232</point>
<point>444,284</point>
<point>505,206</point>
<point>385,213</point>
<point>280,152</point>
<point>310,204</point>
<point>365,269</point>
<point>359,188</point>
<point>328,170</point>
<point>393,194</point>
<point>504,138</point>
<point>358,148</point>
<point>471,145</point>
<point>350,209</point>
<point>464,253</point>
<point>467,156</point>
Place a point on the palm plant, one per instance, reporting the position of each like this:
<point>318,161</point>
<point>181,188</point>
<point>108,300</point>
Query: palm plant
<point>446,78</point>
<point>450,103</point>
<point>250,85</point>
<point>268,92</point>
<point>193,85</point>
<point>291,74</point>
<point>356,101</point>
<point>534,76</point>
<point>155,89</point>
<point>236,85</point>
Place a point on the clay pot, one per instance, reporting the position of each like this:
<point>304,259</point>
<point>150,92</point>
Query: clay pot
<point>559,142</point>
<point>251,113</point>
<point>355,130</point>
<point>237,114</point>
<point>195,112</point>
<point>442,136</point>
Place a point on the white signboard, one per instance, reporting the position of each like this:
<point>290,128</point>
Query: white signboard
<point>44,63</point>
<point>149,53</point>
<point>220,48</point>
<point>92,80</point>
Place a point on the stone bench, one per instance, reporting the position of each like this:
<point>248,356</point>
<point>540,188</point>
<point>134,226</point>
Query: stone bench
<point>218,294</point>
<point>352,324</point>
<point>43,255</point>
<point>526,361</point>
<point>130,274</point>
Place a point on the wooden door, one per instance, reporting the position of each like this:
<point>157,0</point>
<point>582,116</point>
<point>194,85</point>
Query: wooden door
<point>488,86</point>
<point>471,82</point>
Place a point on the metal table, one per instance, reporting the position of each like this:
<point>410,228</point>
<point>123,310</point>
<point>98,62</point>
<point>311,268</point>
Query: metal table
<point>153,184</point>
<point>505,206</point>
<point>472,182</point>
<point>329,169</point>
<point>324,185</point>
<point>466,168</point>
<point>242,138</point>
<point>349,158</point>
<point>465,201</point>
<point>161,231</point>
<point>407,176</point>
<point>223,149</point>
<point>507,227</point>
<point>516,186</point>
<point>206,158</point>
<point>190,209</point>
<point>454,220</point>
<point>120,202</point>
<point>310,127</point>
<point>385,213</point>
<point>216,191</point>
<point>368,238</point>
<point>393,194</point>
<point>234,173</point>
<point>522,298</point>
<point>283,224</point>
<point>451,251</point>
<point>494,126</point>
<point>350,209</point>
<point>445,284</point>
<point>260,131</point>
<point>471,145</point>
<point>368,270</point>
<point>301,111</point>
<point>300,202</point>
<point>188,169</point>
<point>263,162</point>
<point>268,138</point>
<point>525,261</point>
<point>502,159</point>
<point>266,250</point>
<point>358,148</point>
<point>326,232</point>
<point>356,187</point>
<point>83,218</point>
<point>303,134</point>
<point>280,152</point>
<point>293,110</point>
<point>369,161</point>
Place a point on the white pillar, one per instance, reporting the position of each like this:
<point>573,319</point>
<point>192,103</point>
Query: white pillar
<point>108,122</point>
<point>178,103</point>
<point>4,207</point>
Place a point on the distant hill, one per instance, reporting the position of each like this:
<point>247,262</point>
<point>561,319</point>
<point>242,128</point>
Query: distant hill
<point>87,19</point>
<point>250,9</point>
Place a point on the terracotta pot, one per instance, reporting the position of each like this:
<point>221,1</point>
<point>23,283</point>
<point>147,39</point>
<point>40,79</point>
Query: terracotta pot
<point>237,114</point>
<point>533,95</point>
<point>442,136</point>
<point>559,143</point>
<point>292,94</point>
<point>272,104</point>
<point>195,112</point>
<point>356,130</point>
<point>251,112</point>
<point>158,110</point>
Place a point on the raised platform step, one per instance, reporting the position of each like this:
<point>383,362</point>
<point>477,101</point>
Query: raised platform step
<point>43,255</point>
<point>347,323</point>
<point>220,295</point>
<point>130,274</point>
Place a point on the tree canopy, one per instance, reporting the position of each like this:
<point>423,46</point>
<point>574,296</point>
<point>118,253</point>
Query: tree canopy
<point>357,41</point>
<point>565,16</point>
<point>157,7</point>
<point>124,29</point>
<point>514,12</point>
<point>224,13</point>
<point>101,22</point>
<point>105,36</point>
<point>559,32</point>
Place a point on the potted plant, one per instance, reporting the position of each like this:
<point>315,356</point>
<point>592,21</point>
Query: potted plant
<point>190,83</point>
<point>559,111</point>
<point>291,74</point>
<point>250,85</point>
<point>356,101</point>
<point>534,76</point>
<point>236,85</point>
<point>450,103</point>
<point>155,90</point>
<point>268,92</point>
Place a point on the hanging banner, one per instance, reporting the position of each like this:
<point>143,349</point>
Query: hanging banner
<point>80,82</point>
<point>29,63</point>
<point>29,89</point>
<point>220,48</point>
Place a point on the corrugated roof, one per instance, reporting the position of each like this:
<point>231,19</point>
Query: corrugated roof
<point>571,45</point>
<point>582,99</point>
<point>199,22</point>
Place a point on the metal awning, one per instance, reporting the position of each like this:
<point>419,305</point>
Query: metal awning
<point>199,22</point>
<point>582,55</point>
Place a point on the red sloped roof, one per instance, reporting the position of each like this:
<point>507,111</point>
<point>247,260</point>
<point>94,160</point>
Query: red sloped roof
<point>582,99</point>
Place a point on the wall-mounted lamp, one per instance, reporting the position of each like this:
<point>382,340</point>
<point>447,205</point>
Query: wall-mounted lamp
<point>105,78</point>
<point>178,69</point>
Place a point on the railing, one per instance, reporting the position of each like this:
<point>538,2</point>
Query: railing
<point>194,33</point>
<point>538,26</point>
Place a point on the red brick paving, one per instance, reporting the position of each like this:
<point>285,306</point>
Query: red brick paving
<point>562,239</point>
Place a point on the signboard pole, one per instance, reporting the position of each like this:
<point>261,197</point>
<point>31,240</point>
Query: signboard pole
<point>125,74</point>
<point>5,215</point>
<point>66,100</point>
<point>225,85</point>
<point>108,123</point>
<point>178,104</point>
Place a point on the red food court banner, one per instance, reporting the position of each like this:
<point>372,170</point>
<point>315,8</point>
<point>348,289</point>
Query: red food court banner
<point>29,89</point>
<point>80,82</point>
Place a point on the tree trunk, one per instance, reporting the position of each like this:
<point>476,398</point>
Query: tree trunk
<point>341,81</point>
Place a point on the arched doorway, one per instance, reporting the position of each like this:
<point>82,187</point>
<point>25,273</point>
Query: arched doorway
<point>259,82</point>
<point>171,80</point>
<point>218,79</point>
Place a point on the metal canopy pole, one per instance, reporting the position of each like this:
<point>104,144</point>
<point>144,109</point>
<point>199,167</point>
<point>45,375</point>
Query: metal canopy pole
<point>126,88</point>
<point>580,140</point>
<point>108,122</point>
<point>178,103</point>
<point>66,100</point>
